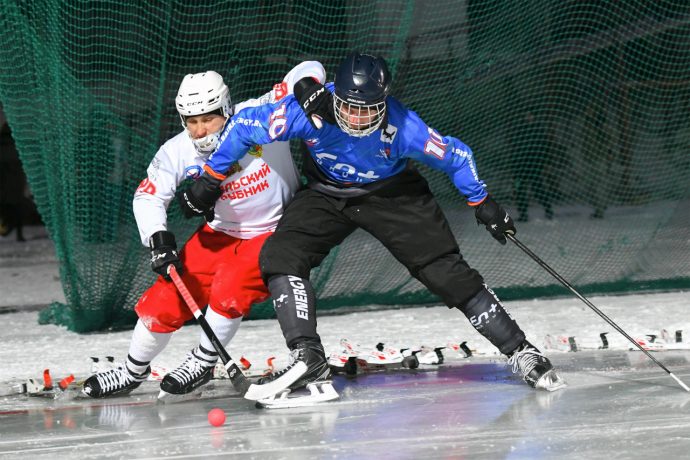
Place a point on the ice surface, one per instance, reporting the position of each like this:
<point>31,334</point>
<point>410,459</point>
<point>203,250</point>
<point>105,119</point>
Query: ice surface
<point>618,403</point>
<point>616,406</point>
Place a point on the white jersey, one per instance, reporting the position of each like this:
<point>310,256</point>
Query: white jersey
<point>256,190</point>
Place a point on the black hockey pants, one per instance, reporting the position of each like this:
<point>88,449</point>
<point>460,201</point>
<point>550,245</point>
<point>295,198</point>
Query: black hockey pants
<point>405,218</point>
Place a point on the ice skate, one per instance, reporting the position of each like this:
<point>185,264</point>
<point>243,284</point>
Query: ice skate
<point>187,377</point>
<point>345,360</point>
<point>309,368</point>
<point>427,355</point>
<point>319,392</point>
<point>535,368</point>
<point>385,358</point>
<point>114,382</point>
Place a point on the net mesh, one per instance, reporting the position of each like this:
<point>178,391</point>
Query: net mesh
<point>577,113</point>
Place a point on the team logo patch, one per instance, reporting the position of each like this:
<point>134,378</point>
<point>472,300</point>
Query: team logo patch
<point>388,134</point>
<point>192,172</point>
<point>235,168</point>
<point>311,142</point>
<point>256,151</point>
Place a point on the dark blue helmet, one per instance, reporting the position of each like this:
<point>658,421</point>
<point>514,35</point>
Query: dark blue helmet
<point>362,83</point>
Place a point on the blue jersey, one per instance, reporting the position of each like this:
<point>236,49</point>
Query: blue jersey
<point>349,160</point>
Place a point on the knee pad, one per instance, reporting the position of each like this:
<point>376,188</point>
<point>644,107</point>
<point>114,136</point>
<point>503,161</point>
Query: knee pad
<point>280,255</point>
<point>450,278</point>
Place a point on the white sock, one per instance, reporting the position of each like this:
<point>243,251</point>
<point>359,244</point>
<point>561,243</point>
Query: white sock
<point>145,346</point>
<point>224,328</point>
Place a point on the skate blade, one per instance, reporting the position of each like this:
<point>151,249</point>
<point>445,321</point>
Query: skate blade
<point>550,381</point>
<point>320,392</point>
<point>258,392</point>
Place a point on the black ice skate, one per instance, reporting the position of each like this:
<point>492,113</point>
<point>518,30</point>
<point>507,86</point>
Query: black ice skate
<point>535,368</point>
<point>308,367</point>
<point>187,377</point>
<point>113,382</point>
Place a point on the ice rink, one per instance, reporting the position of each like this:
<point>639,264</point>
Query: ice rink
<point>618,404</point>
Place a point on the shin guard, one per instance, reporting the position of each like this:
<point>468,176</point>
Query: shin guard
<point>490,319</point>
<point>295,306</point>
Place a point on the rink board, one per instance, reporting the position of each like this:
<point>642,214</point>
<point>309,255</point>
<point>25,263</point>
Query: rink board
<point>618,405</point>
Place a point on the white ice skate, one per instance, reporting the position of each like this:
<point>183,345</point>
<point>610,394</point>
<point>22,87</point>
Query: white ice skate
<point>319,392</point>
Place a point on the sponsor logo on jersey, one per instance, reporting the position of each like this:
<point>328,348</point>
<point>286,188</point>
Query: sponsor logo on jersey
<point>247,185</point>
<point>146,186</point>
<point>311,142</point>
<point>347,172</point>
<point>192,172</point>
<point>388,134</point>
<point>226,130</point>
<point>256,151</point>
<point>280,90</point>
<point>247,122</point>
<point>466,154</point>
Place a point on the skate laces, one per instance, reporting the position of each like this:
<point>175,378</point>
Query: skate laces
<point>525,360</point>
<point>189,370</point>
<point>292,359</point>
<point>115,378</point>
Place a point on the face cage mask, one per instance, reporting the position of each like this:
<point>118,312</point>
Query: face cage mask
<point>207,144</point>
<point>375,111</point>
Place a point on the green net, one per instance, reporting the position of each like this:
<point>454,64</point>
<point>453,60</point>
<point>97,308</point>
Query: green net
<point>577,113</point>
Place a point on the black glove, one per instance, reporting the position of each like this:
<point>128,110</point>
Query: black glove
<point>497,221</point>
<point>315,100</point>
<point>200,198</point>
<point>164,253</point>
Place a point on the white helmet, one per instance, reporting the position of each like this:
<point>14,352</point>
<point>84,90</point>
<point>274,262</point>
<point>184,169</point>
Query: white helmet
<point>202,93</point>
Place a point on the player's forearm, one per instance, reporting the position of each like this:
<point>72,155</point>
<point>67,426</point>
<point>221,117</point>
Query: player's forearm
<point>235,142</point>
<point>151,216</point>
<point>474,192</point>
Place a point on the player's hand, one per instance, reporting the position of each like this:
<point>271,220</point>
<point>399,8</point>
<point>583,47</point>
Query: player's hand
<point>496,219</point>
<point>164,253</point>
<point>200,198</point>
<point>316,101</point>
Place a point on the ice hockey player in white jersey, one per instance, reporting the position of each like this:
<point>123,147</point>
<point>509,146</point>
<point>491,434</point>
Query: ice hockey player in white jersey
<point>219,263</point>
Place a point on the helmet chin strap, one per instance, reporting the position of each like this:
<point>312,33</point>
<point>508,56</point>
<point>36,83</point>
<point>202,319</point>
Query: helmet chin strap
<point>206,145</point>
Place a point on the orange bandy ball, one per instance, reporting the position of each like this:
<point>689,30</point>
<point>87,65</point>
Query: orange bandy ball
<point>216,416</point>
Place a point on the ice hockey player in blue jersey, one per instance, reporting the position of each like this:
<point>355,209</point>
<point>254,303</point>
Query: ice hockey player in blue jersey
<point>359,175</point>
